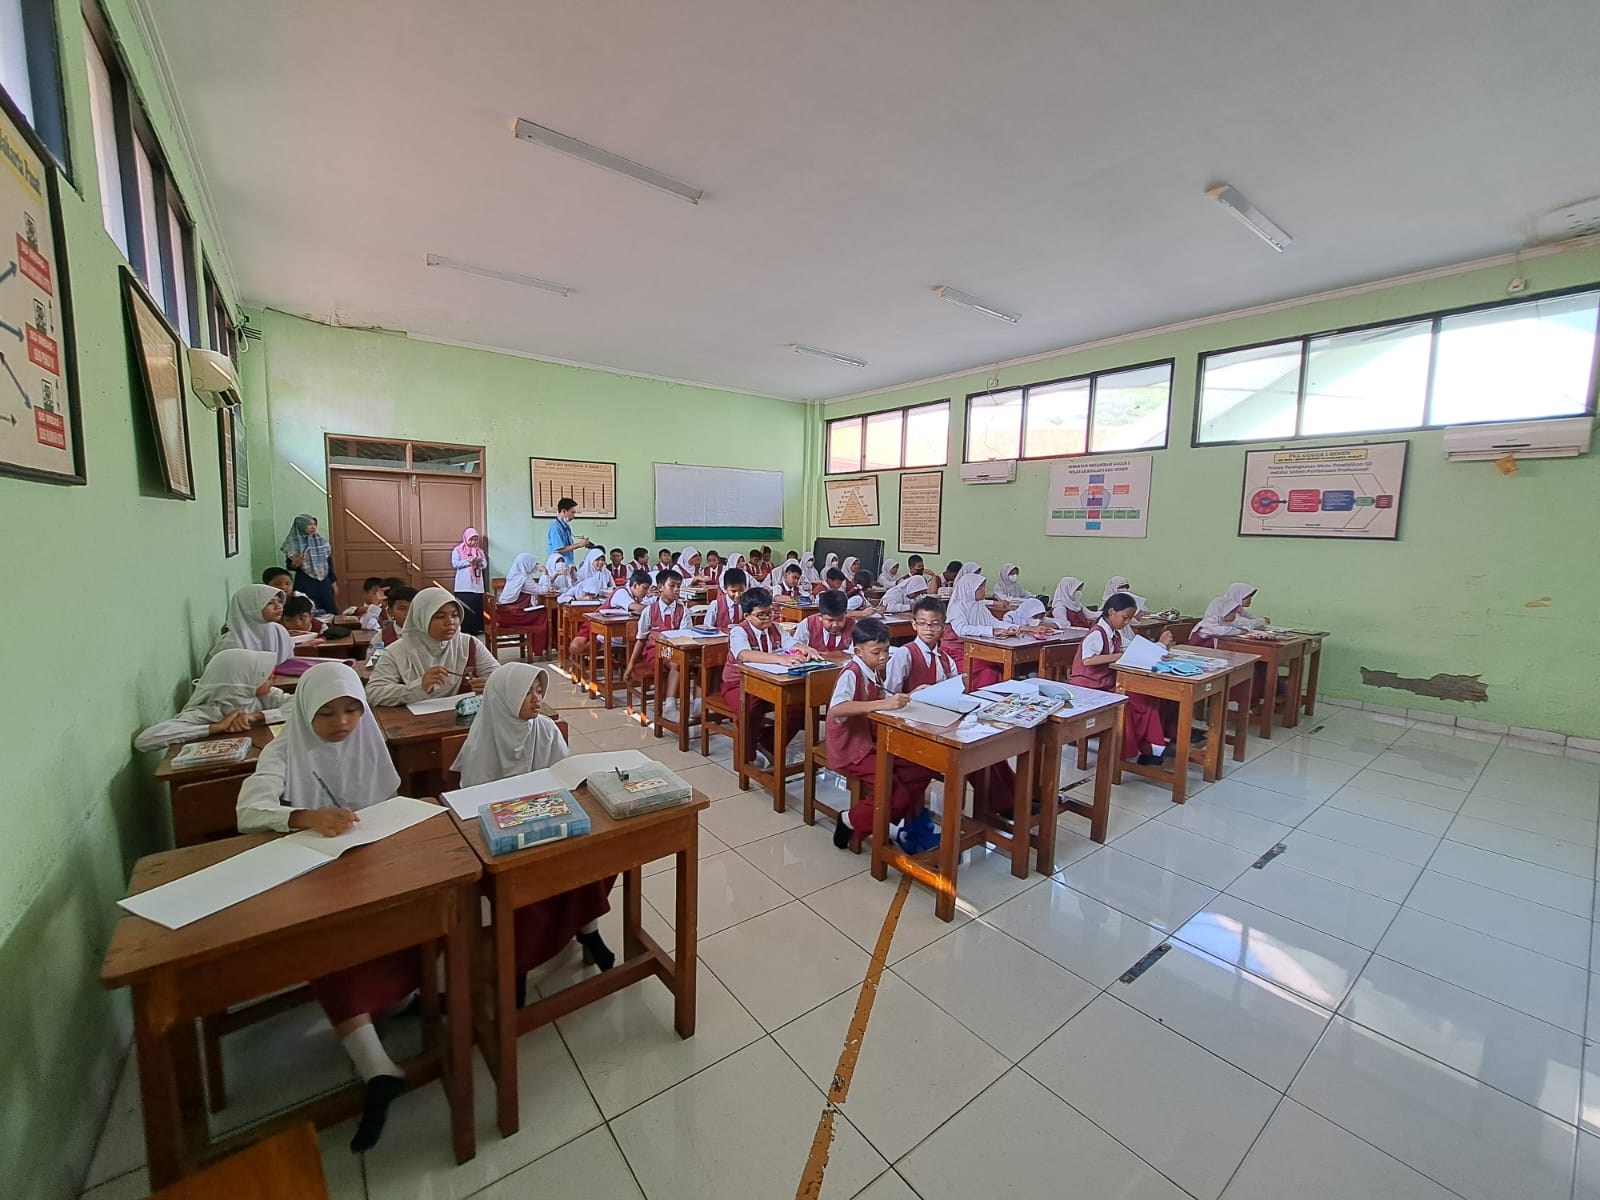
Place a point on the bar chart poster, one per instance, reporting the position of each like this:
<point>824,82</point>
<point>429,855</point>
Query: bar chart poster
<point>1099,497</point>
<point>1326,492</point>
<point>592,484</point>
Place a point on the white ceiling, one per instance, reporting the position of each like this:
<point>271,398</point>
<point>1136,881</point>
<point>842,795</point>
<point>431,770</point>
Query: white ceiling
<point>1048,155</point>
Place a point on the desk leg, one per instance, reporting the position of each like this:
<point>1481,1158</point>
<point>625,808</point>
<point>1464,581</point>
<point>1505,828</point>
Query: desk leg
<point>592,676</point>
<point>1269,698</point>
<point>655,692</point>
<point>780,770</point>
<point>505,1015</point>
<point>165,1151</point>
<point>1008,665</point>
<point>1180,750</point>
<point>1107,755</point>
<point>1021,817</point>
<point>955,796</point>
<point>632,912</point>
<point>684,950</point>
<point>1311,681</point>
<point>880,810</point>
<point>1291,700</point>
<point>1242,733</point>
<point>1216,714</point>
<point>1049,793</point>
<point>685,700</point>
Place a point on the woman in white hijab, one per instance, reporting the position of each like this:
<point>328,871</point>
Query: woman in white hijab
<point>518,606</point>
<point>1227,615</point>
<point>850,566</point>
<point>557,576</point>
<point>890,575</point>
<point>737,559</point>
<point>1066,606</point>
<point>231,696</point>
<point>330,763</point>
<point>903,595</point>
<point>593,579</point>
<point>688,564</point>
<point>520,580</point>
<point>808,568</point>
<point>969,616</point>
<point>511,737</point>
<point>253,615</point>
<point>433,657</point>
<point>1008,587</point>
<point>1119,583</point>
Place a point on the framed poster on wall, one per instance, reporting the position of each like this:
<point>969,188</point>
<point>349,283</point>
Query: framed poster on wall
<point>921,501</point>
<point>1099,497</point>
<point>852,501</point>
<point>241,458</point>
<point>1324,492</point>
<point>41,433</point>
<point>592,484</point>
<point>227,468</point>
<point>157,363</point>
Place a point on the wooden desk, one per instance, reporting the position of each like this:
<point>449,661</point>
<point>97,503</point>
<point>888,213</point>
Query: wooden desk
<point>1212,690</point>
<point>1288,652</point>
<point>901,630</point>
<point>1018,652</point>
<point>1093,715</point>
<point>288,683</point>
<point>422,747</point>
<point>1153,627</point>
<point>1313,671</point>
<point>568,618</point>
<point>607,662</point>
<point>357,645</point>
<point>513,881</point>
<point>934,747</point>
<point>783,692</point>
<point>689,652</point>
<point>203,798</point>
<point>413,890</point>
<point>286,1166</point>
<point>795,610</point>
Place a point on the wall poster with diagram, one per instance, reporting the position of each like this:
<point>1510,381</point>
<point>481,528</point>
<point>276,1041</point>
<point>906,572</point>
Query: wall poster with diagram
<point>852,501</point>
<point>1099,497</point>
<point>1324,492</point>
<point>592,484</point>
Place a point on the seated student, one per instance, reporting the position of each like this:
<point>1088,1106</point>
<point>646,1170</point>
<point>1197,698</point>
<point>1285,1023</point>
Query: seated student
<point>374,591</point>
<point>664,559</point>
<point>231,696</point>
<point>713,567</point>
<point>690,567</point>
<point>914,566</point>
<point>282,579</point>
<point>951,570</point>
<point>903,596</point>
<point>400,599</point>
<point>592,581</point>
<point>433,657</point>
<point>788,586</point>
<point>808,569</point>
<point>510,737</point>
<point>860,690</point>
<point>970,617</point>
<point>834,581</point>
<point>723,613</point>
<point>329,763</point>
<point>254,614</point>
<point>1065,606</point>
<point>851,566</point>
<point>1007,587</point>
<point>518,605</point>
<point>890,575</point>
<point>1119,583</point>
<point>831,561</point>
<point>619,569</point>
<point>1144,738</point>
<point>969,568</point>
<point>1227,616</point>
<point>862,581</point>
<point>298,616</point>
<point>829,627</point>
<point>757,639</point>
<point>630,596</point>
<point>665,613</point>
<point>736,559</point>
<point>640,561</point>
<point>557,578</point>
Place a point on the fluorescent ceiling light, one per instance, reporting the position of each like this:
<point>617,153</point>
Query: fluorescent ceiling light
<point>455,264</point>
<point>972,302</point>
<point>1232,199</point>
<point>539,135</point>
<point>828,354</point>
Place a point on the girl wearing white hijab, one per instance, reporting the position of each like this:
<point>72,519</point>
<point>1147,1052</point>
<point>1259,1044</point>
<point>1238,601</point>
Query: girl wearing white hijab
<point>689,565</point>
<point>330,763</point>
<point>1007,586</point>
<point>231,696</point>
<point>903,595</point>
<point>970,617</point>
<point>1028,611</point>
<point>557,576</point>
<point>518,606</point>
<point>831,561</point>
<point>736,559</point>
<point>1119,583</point>
<point>890,575</point>
<point>594,580</point>
<point>808,568</point>
<point>510,737</point>
<point>1227,616</point>
<point>253,616</point>
<point>850,566</point>
<point>433,657</point>
<point>969,568</point>
<point>1066,606</point>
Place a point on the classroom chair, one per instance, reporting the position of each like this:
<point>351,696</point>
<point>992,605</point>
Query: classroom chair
<point>819,690</point>
<point>497,637</point>
<point>717,717</point>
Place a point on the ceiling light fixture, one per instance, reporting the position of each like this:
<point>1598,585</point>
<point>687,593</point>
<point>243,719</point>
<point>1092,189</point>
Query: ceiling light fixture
<point>1232,199</point>
<point>532,281</point>
<point>527,131</point>
<point>969,301</point>
<point>828,354</point>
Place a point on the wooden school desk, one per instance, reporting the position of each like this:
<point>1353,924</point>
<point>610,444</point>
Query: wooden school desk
<point>1313,671</point>
<point>939,749</point>
<point>1014,653</point>
<point>1092,715</point>
<point>416,889</point>
<point>699,661</point>
<point>1192,692</point>
<point>284,1166</point>
<point>783,691</point>
<point>423,747</point>
<point>568,618</point>
<point>515,880</point>
<point>357,645</point>
<point>288,683</point>
<point>1274,652</point>
<point>203,798</point>
<point>1152,628</point>
<point>901,630</point>
<point>795,610</point>
<point>607,663</point>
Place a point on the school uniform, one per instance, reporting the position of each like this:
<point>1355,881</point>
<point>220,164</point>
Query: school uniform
<point>469,561</point>
<point>916,665</point>
<point>811,632</point>
<point>781,591</point>
<point>658,617</point>
<point>1217,623</point>
<point>852,751</point>
<point>1007,586</point>
<point>246,630</point>
<point>517,596</point>
<point>1066,607</point>
<point>397,677</point>
<point>903,596</point>
<point>228,685</point>
<point>1119,583</point>
<point>742,637</point>
<point>970,617</point>
<point>1142,724</point>
<point>722,613</point>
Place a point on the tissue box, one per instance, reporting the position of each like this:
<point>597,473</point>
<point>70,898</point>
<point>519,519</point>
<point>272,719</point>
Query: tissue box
<point>532,820</point>
<point>638,790</point>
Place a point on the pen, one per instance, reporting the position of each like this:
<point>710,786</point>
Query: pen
<point>326,790</point>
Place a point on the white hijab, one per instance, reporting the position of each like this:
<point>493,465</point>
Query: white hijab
<point>246,629</point>
<point>1026,613</point>
<point>686,566</point>
<point>228,684</point>
<point>965,607</point>
<point>1119,583</point>
<point>736,559</point>
<point>588,569</point>
<point>1218,612</point>
<point>357,771</point>
<point>524,570</point>
<point>808,568</point>
<point>1066,596</point>
<point>903,595</point>
<point>849,570</point>
<point>415,652</point>
<point>501,743</point>
<point>1008,585</point>
<point>890,575</point>
<point>831,561</point>
<point>969,568</point>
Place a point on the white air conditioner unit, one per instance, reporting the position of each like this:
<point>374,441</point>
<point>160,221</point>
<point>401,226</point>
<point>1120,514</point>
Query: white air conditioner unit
<point>1566,437</point>
<point>213,378</point>
<point>989,472</point>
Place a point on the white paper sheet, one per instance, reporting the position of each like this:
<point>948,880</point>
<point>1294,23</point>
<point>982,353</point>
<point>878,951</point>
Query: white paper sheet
<point>928,714</point>
<point>375,822</point>
<point>951,694</point>
<point>568,773</point>
<point>274,716</point>
<point>186,900</point>
<point>422,708</point>
<point>300,639</point>
<point>1142,653</point>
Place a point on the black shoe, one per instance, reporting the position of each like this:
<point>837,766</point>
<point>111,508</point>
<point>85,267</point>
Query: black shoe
<point>841,834</point>
<point>382,1091</point>
<point>520,988</point>
<point>1148,760</point>
<point>598,950</point>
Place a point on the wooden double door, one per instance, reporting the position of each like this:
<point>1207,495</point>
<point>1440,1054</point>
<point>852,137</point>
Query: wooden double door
<point>399,523</point>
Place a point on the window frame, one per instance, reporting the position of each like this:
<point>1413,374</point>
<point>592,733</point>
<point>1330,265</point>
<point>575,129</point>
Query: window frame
<point>905,424</point>
<point>41,29</point>
<point>220,335</point>
<point>1435,318</point>
<point>1170,362</point>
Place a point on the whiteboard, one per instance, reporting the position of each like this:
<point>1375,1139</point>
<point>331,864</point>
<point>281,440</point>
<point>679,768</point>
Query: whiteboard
<point>717,497</point>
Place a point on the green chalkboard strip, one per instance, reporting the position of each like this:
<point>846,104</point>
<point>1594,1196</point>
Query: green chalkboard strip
<point>706,533</point>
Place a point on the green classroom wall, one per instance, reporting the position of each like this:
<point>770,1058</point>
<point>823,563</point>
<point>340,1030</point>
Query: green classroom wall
<point>123,593</point>
<point>1492,576</point>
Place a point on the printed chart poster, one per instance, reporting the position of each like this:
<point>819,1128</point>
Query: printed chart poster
<point>1099,497</point>
<point>1329,492</point>
<point>592,484</point>
<point>920,497</point>
<point>852,501</point>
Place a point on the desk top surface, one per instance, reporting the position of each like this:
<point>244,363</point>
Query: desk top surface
<point>1234,659</point>
<point>261,736</point>
<point>1030,637</point>
<point>603,828</point>
<point>400,724</point>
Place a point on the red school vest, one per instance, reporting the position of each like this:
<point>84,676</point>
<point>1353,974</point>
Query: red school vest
<point>770,642</point>
<point>922,672</point>
<point>819,638</point>
<point>1102,678</point>
<point>850,741</point>
<point>664,617</point>
<point>723,612</point>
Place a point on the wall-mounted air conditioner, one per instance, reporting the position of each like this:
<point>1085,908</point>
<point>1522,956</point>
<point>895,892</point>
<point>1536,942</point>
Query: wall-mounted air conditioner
<point>1565,437</point>
<point>989,472</point>
<point>213,378</point>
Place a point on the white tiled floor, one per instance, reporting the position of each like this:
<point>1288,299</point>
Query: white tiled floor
<point>1399,1005</point>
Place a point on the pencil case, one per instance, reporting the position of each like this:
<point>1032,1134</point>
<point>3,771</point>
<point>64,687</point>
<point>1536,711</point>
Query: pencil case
<point>638,790</point>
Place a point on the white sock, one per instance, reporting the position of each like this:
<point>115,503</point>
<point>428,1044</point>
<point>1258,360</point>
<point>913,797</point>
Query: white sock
<point>591,927</point>
<point>1158,748</point>
<point>366,1050</point>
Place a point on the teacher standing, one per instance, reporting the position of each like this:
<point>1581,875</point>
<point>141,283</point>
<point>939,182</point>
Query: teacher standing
<point>559,538</point>
<point>308,554</point>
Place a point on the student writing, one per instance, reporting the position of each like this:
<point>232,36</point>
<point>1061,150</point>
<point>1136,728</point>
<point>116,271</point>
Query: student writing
<point>757,639</point>
<point>1066,606</point>
<point>1144,737</point>
<point>665,613</point>
<point>433,657</point>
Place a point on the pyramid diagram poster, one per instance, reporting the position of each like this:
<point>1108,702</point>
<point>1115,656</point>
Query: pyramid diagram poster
<point>1326,492</point>
<point>852,501</point>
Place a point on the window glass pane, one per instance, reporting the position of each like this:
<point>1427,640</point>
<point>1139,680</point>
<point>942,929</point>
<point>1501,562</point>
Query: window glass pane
<point>150,218</point>
<point>844,445</point>
<point>928,435</point>
<point>348,452</point>
<point>994,425</point>
<point>456,460</point>
<point>108,166</point>
<point>1249,394</point>
<point>14,58</point>
<point>1131,408</point>
<point>181,272</point>
<point>1058,419</point>
<point>1372,379</point>
<point>1517,362</point>
<point>883,441</point>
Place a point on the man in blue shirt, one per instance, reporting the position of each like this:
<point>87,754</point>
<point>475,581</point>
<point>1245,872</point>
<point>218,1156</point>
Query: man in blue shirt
<point>559,539</point>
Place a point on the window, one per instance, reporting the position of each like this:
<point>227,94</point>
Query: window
<point>108,160</point>
<point>219,325</point>
<point>1505,362</point>
<point>1088,414</point>
<point>888,441</point>
<point>29,71</point>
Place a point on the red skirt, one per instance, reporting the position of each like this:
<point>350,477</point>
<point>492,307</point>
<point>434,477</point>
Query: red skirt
<point>535,623</point>
<point>369,987</point>
<point>543,929</point>
<point>984,674</point>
